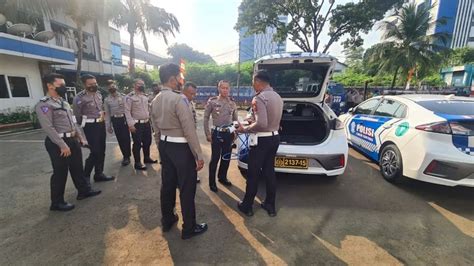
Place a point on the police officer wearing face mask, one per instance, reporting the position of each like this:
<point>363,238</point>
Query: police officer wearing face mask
<point>180,152</point>
<point>267,110</point>
<point>63,143</point>
<point>138,120</point>
<point>114,106</point>
<point>90,115</point>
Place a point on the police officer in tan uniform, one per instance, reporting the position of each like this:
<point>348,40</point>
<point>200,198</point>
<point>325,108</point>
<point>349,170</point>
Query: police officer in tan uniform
<point>89,112</point>
<point>138,120</point>
<point>223,111</point>
<point>267,110</point>
<point>188,93</point>
<point>63,143</point>
<point>180,152</point>
<point>115,121</point>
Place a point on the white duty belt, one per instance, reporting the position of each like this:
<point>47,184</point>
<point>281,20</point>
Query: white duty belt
<point>94,120</point>
<point>118,116</point>
<point>67,134</point>
<point>141,121</point>
<point>267,134</point>
<point>173,139</point>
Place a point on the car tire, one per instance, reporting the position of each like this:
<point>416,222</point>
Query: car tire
<point>391,164</point>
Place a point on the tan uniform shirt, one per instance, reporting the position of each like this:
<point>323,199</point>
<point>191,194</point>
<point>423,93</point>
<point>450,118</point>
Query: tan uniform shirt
<point>223,111</point>
<point>136,107</point>
<point>55,117</point>
<point>267,109</point>
<point>113,105</point>
<point>87,104</point>
<point>172,116</point>
<point>191,107</point>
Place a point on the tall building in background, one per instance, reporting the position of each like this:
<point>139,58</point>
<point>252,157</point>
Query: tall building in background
<point>458,15</point>
<point>257,45</point>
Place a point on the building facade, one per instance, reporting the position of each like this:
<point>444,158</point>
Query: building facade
<point>258,45</point>
<point>458,15</point>
<point>29,50</point>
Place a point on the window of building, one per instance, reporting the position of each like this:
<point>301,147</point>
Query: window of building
<point>18,86</point>
<point>116,54</point>
<point>67,37</point>
<point>13,86</point>
<point>3,88</point>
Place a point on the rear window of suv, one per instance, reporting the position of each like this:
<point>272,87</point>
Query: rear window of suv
<point>449,107</point>
<point>296,80</point>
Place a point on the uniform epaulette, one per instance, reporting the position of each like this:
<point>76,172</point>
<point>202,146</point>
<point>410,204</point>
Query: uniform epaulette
<point>45,99</point>
<point>213,98</point>
<point>81,93</point>
<point>232,99</point>
<point>131,93</point>
<point>177,92</point>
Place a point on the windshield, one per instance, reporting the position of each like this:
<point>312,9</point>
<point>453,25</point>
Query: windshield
<point>449,107</point>
<point>295,80</point>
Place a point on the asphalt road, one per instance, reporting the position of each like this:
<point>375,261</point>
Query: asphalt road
<point>357,218</point>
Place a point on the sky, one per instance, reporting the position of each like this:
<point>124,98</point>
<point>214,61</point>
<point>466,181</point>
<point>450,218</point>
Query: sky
<point>208,26</point>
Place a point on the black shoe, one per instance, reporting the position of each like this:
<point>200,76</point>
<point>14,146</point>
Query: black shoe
<point>166,226</point>
<point>149,160</point>
<point>225,182</point>
<point>103,178</point>
<point>197,230</point>
<point>125,161</point>
<point>139,166</point>
<point>62,207</point>
<point>270,210</point>
<point>88,194</point>
<point>213,188</point>
<point>248,212</point>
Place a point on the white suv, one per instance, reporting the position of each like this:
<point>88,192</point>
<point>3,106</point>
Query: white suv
<point>312,138</point>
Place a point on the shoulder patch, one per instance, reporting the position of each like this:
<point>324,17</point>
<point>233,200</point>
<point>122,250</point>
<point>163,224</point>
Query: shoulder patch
<point>44,109</point>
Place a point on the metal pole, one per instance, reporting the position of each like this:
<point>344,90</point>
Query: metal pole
<point>238,77</point>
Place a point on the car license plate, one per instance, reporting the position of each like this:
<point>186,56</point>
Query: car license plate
<point>296,163</point>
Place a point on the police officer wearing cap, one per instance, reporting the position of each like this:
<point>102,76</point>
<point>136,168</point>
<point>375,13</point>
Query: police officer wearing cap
<point>180,152</point>
<point>63,143</point>
<point>223,111</point>
<point>267,110</point>
<point>89,112</point>
<point>138,120</point>
<point>115,121</point>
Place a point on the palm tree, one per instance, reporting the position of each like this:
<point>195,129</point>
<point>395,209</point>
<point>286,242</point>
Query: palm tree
<point>141,17</point>
<point>409,43</point>
<point>82,12</point>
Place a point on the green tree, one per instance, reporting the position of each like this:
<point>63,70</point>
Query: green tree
<point>309,18</point>
<point>461,56</point>
<point>183,51</point>
<point>408,43</point>
<point>141,17</point>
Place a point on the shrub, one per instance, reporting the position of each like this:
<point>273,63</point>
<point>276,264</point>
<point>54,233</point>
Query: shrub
<point>20,114</point>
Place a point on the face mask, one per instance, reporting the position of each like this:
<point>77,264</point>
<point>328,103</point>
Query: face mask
<point>112,90</point>
<point>141,88</point>
<point>61,91</point>
<point>93,88</point>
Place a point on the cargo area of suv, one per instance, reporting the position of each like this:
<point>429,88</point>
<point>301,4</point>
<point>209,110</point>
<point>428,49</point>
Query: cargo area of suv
<point>303,123</point>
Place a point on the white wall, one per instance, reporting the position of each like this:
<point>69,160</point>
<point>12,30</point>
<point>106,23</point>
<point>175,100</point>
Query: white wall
<point>17,66</point>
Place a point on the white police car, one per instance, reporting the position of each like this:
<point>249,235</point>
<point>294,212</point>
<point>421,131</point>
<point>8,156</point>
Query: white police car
<point>424,137</point>
<point>312,138</point>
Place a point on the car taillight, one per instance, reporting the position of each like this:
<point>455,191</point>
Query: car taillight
<point>337,124</point>
<point>438,127</point>
<point>461,129</point>
<point>342,160</point>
